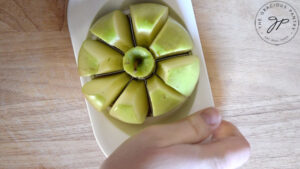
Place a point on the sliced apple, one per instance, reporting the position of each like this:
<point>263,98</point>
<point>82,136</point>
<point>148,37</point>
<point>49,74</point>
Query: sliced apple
<point>163,98</point>
<point>180,73</point>
<point>103,91</point>
<point>147,20</point>
<point>114,29</point>
<point>97,58</point>
<point>132,106</point>
<point>172,39</point>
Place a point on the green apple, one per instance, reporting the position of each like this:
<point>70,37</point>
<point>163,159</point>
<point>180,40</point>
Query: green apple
<point>147,20</point>
<point>138,62</point>
<point>152,77</point>
<point>102,92</point>
<point>171,40</point>
<point>181,73</point>
<point>114,29</point>
<point>163,98</point>
<point>97,58</point>
<point>132,106</point>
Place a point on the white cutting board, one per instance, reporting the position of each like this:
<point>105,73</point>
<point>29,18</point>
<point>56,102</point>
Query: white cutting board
<point>110,133</point>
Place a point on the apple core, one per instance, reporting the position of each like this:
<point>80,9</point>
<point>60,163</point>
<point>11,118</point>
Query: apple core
<point>138,62</point>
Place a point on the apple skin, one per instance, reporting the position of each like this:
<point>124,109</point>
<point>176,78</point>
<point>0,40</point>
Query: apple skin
<point>97,58</point>
<point>132,106</point>
<point>138,62</point>
<point>147,20</point>
<point>163,98</point>
<point>181,73</point>
<point>114,29</point>
<point>102,92</point>
<point>171,40</point>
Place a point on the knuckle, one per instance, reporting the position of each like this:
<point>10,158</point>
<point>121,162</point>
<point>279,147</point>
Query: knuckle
<point>195,122</point>
<point>151,135</point>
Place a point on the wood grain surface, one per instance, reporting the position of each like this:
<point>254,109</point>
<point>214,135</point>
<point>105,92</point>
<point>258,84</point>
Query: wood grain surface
<point>43,117</point>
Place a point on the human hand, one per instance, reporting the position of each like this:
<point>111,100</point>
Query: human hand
<point>180,145</point>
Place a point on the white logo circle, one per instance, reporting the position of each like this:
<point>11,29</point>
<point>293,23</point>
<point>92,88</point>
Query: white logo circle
<point>277,22</point>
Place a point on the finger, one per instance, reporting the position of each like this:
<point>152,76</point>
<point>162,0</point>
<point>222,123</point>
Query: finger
<point>229,150</point>
<point>192,129</point>
<point>226,129</point>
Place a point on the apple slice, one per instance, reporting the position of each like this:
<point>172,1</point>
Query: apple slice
<point>147,20</point>
<point>163,98</point>
<point>172,39</point>
<point>181,73</point>
<point>101,92</point>
<point>97,58</point>
<point>132,106</point>
<point>114,29</point>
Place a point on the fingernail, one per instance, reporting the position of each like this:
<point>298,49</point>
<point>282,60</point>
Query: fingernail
<point>211,116</point>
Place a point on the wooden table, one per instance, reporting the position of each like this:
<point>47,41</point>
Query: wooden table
<point>43,117</point>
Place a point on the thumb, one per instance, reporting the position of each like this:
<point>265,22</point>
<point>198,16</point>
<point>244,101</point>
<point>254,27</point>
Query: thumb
<point>192,129</point>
